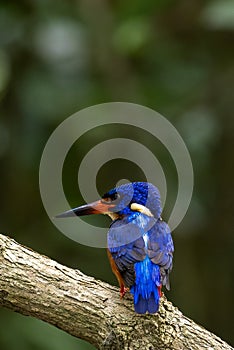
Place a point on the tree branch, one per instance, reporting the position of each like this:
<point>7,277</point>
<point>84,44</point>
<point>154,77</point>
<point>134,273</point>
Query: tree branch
<point>34,285</point>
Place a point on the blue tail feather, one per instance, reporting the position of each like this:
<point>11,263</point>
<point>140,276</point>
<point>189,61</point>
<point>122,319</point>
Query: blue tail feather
<point>145,291</point>
<point>143,305</point>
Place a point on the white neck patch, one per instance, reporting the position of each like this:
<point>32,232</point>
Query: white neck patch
<point>141,208</point>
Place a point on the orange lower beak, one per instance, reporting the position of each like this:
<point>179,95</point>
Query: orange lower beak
<point>97,207</point>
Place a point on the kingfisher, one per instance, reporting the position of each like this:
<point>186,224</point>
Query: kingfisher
<point>139,243</point>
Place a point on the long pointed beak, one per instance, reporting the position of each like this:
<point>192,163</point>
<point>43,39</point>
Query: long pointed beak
<point>97,207</point>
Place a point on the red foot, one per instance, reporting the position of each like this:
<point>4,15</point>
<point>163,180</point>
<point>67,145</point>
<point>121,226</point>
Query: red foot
<point>123,291</point>
<point>160,291</point>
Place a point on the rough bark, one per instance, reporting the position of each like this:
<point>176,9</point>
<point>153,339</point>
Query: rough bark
<point>34,285</point>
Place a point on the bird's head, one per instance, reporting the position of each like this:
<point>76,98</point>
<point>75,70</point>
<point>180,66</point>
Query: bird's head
<point>123,200</point>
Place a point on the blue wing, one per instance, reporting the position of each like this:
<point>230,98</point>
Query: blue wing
<point>160,249</point>
<point>127,246</point>
<point>142,250</point>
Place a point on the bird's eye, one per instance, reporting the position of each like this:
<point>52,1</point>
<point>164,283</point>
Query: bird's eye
<point>110,198</point>
<point>106,200</point>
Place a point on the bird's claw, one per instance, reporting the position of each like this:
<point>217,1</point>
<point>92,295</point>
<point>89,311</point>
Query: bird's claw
<point>123,291</point>
<point>160,291</point>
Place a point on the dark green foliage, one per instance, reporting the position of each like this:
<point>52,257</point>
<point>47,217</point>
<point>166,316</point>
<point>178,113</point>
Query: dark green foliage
<point>175,57</point>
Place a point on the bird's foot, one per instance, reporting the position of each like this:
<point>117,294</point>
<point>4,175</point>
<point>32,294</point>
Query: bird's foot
<point>123,291</point>
<point>160,291</point>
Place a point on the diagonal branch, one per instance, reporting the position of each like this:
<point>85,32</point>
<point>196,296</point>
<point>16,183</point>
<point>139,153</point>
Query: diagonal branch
<point>33,284</point>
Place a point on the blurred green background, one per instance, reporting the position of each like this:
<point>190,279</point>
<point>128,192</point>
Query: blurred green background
<point>177,57</point>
